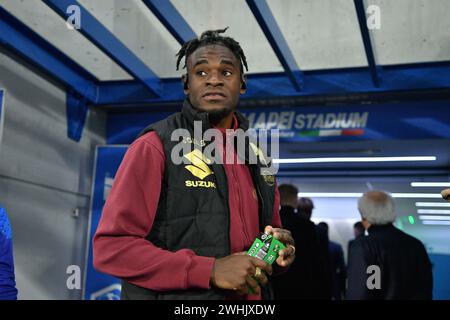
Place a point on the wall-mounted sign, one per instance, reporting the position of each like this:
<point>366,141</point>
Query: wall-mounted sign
<point>386,121</point>
<point>97,285</point>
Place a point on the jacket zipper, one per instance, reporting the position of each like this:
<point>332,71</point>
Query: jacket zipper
<point>260,200</point>
<point>244,226</point>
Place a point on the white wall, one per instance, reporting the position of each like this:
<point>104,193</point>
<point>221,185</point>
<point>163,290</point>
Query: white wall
<point>43,177</point>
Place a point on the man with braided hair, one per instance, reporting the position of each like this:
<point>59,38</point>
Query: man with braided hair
<point>177,231</point>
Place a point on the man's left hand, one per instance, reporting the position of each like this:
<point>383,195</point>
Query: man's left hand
<point>287,255</point>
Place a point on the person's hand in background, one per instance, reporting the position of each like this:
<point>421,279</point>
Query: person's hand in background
<point>446,194</point>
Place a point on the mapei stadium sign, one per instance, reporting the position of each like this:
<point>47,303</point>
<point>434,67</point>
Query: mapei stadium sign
<point>375,121</point>
<point>293,124</point>
<point>413,120</point>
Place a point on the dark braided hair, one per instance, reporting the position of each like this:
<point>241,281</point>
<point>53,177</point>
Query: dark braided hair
<point>212,37</point>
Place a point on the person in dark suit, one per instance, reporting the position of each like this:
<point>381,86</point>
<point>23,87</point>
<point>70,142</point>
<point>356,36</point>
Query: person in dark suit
<point>320,273</point>
<point>305,208</point>
<point>337,268</point>
<point>300,281</point>
<point>387,264</point>
<point>358,231</point>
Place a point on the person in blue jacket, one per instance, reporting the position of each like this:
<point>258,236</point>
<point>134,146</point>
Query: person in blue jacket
<point>8,289</point>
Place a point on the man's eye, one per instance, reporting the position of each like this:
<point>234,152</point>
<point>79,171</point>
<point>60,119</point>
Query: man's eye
<point>201,73</point>
<point>227,73</point>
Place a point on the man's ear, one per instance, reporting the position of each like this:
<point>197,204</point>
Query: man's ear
<point>243,84</point>
<point>185,81</point>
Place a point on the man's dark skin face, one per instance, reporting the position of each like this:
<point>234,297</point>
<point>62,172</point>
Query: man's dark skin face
<point>214,83</point>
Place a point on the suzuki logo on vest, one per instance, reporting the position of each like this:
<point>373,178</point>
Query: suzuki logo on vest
<point>199,168</point>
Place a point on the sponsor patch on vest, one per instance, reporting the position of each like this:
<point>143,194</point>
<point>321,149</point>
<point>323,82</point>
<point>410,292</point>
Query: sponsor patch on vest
<point>199,166</point>
<point>194,141</point>
<point>259,153</point>
<point>200,184</point>
<point>268,178</point>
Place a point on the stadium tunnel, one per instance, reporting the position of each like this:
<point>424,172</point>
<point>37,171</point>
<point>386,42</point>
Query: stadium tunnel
<point>359,91</point>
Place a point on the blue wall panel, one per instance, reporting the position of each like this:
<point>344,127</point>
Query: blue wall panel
<point>441,276</point>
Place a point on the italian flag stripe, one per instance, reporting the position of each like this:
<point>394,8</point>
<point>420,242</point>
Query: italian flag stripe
<point>309,133</point>
<point>331,133</point>
<point>353,132</point>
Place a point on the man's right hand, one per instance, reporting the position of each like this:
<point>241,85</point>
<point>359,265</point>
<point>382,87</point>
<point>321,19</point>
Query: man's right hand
<point>234,272</point>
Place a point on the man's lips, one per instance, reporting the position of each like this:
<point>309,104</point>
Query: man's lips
<point>214,96</point>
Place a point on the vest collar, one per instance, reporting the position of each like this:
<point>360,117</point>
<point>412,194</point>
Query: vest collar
<point>192,114</point>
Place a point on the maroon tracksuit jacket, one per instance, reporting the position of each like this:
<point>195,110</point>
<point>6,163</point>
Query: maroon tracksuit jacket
<point>120,247</point>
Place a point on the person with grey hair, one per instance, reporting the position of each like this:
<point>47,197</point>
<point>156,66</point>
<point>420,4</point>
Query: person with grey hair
<point>387,264</point>
<point>376,207</point>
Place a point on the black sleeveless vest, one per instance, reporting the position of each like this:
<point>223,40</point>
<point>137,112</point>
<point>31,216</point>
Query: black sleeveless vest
<point>193,210</point>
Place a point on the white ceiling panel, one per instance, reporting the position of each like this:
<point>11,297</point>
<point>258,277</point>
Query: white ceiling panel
<point>204,15</point>
<point>322,34</point>
<point>44,21</point>
<point>412,31</point>
<point>138,29</point>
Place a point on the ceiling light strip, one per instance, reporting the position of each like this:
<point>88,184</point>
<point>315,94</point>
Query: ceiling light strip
<point>432,211</point>
<point>436,223</point>
<point>354,159</point>
<point>357,195</point>
<point>430,184</point>
<point>428,217</point>
<point>432,204</point>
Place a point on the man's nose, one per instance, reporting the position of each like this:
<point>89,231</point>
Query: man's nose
<point>214,79</point>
